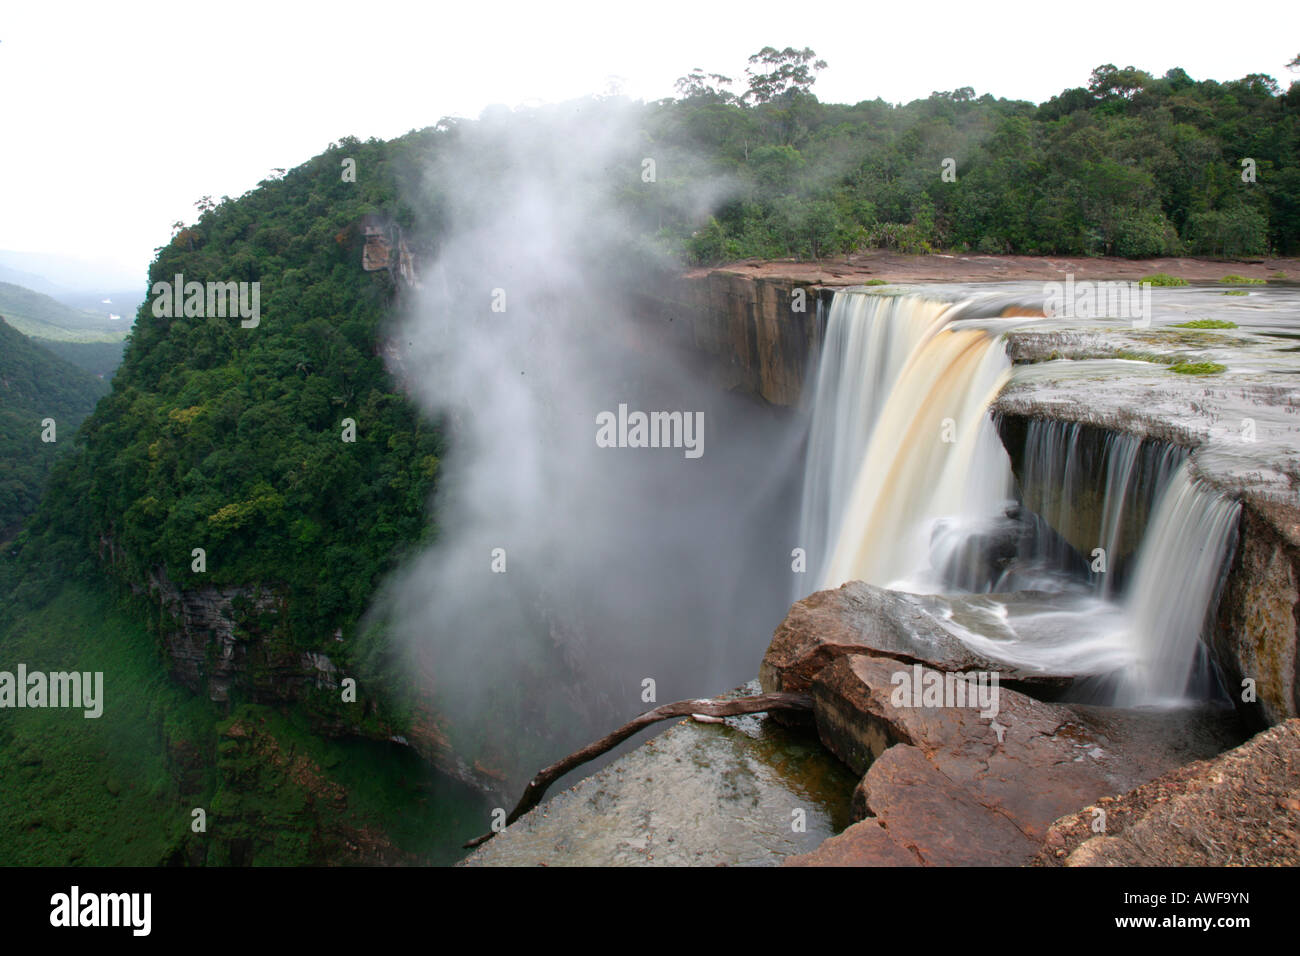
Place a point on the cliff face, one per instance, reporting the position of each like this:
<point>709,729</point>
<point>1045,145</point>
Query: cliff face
<point>1258,621</point>
<point>759,334</point>
<point>227,641</point>
<point>219,639</point>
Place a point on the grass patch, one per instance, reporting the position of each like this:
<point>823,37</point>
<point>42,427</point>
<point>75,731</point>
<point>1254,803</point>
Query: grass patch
<point>1163,278</point>
<point>1197,368</point>
<point>1239,280</point>
<point>876,282</point>
<point>1206,324</point>
<point>1236,292</point>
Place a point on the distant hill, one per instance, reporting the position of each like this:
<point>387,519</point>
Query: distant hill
<point>35,385</point>
<point>100,359</point>
<point>110,301</point>
<point>41,316</point>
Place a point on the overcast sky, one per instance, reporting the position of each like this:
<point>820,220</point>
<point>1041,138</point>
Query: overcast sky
<point>117,116</point>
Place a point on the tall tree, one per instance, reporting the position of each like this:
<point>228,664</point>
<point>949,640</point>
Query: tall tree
<point>787,71</point>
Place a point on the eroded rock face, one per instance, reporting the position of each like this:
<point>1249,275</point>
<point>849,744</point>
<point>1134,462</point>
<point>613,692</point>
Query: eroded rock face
<point>1258,620</point>
<point>949,786</point>
<point>1239,808</point>
<point>207,633</point>
<point>760,332</point>
<point>1242,433</point>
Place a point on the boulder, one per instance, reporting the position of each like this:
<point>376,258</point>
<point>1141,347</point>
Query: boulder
<point>948,786</point>
<point>859,618</point>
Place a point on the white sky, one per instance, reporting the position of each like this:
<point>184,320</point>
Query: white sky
<point>117,116</point>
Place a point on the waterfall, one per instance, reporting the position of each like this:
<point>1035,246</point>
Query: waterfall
<point>901,440</point>
<point>907,486</point>
<point>869,339</point>
<point>1180,572</point>
<point>1095,492</point>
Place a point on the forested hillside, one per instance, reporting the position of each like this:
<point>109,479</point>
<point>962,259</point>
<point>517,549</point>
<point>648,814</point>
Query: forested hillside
<point>89,340</point>
<point>35,385</point>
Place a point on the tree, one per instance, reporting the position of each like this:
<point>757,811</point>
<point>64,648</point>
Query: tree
<point>1109,83</point>
<point>698,85</point>
<point>789,71</point>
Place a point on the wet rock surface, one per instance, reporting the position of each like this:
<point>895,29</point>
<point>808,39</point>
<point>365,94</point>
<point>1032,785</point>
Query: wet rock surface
<point>742,792</point>
<point>859,618</point>
<point>947,786</point>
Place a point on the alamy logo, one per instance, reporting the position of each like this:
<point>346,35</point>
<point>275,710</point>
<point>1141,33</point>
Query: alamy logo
<point>74,908</point>
<point>208,300</point>
<point>922,687</point>
<point>653,430</point>
<point>1098,300</point>
<point>56,689</point>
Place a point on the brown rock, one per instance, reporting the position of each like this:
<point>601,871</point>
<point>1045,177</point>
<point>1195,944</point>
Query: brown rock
<point>948,791</point>
<point>864,844</point>
<point>858,618</point>
<point>1238,809</point>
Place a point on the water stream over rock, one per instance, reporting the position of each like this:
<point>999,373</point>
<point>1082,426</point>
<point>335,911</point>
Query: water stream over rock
<point>1104,561</point>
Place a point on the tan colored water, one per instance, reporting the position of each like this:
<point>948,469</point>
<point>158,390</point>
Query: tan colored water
<point>932,454</point>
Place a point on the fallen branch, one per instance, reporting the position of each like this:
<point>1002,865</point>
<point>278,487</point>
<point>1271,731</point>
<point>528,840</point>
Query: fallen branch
<point>729,707</point>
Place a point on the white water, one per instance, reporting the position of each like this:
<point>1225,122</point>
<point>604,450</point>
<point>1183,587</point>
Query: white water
<point>901,441</point>
<point>868,341</point>
<point>1059,483</point>
<point>1180,572</point>
<point>905,471</point>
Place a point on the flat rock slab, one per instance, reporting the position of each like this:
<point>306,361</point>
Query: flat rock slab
<point>1241,808</point>
<point>947,786</point>
<point>699,794</point>
<point>858,618</point>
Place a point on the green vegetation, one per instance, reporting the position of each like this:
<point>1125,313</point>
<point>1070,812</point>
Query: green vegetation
<point>1206,324</point>
<point>1236,292</point>
<point>97,792</point>
<point>231,439</point>
<point>1130,165</point>
<point>100,359</point>
<point>1197,368</point>
<point>36,386</point>
<point>876,282</point>
<point>1233,279</point>
<point>118,790</point>
<point>1161,278</point>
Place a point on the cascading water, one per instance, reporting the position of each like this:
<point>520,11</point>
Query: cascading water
<point>908,486</point>
<point>1062,462</point>
<point>900,438</point>
<point>1180,572</point>
<point>868,341</point>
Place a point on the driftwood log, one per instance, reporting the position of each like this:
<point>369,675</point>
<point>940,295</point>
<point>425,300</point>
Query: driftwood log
<point>715,708</point>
